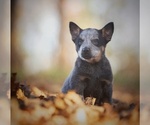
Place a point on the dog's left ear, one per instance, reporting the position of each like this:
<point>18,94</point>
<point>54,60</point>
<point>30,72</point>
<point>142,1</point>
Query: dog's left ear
<point>107,31</point>
<point>74,30</point>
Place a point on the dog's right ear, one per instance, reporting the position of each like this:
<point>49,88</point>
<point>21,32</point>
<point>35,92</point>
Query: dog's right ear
<point>74,30</point>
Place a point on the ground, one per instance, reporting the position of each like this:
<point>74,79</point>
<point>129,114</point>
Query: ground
<point>32,105</point>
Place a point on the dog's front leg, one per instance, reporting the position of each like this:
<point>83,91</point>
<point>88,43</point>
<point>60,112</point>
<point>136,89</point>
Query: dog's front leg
<point>106,94</point>
<point>74,82</point>
<point>80,88</point>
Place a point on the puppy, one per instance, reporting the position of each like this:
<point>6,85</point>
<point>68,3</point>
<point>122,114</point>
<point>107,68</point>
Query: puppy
<point>92,74</point>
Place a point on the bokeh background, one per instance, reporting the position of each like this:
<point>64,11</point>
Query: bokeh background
<point>4,62</point>
<point>41,48</point>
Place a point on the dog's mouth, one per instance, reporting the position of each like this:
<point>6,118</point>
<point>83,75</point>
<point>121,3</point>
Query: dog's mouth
<point>91,56</point>
<point>86,55</point>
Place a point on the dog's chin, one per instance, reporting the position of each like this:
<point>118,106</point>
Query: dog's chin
<point>94,59</point>
<point>87,56</point>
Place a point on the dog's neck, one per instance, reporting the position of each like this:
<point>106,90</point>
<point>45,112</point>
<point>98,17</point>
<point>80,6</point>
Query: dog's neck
<point>84,62</point>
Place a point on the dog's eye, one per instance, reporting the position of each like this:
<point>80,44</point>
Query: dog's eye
<point>80,41</point>
<point>95,42</point>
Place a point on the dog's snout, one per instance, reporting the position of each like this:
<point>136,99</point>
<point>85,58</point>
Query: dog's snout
<point>86,49</point>
<point>86,53</point>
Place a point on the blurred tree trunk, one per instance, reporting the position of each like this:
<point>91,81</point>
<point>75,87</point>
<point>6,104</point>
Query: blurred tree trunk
<point>16,56</point>
<point>61,56</point>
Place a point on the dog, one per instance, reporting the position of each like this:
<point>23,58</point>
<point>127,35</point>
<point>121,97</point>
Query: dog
<point>92,73</point>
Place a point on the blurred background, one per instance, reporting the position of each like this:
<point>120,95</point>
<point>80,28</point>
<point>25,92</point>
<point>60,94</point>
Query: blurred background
<point>42,52</point>
<point>4,62</point>
<point>144,63</point>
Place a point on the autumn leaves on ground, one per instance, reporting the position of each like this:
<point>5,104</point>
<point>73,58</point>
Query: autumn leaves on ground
<point>33,106</point>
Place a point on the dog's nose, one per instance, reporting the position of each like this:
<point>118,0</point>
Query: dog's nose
<point>86,49</point>
<point>86,53</point>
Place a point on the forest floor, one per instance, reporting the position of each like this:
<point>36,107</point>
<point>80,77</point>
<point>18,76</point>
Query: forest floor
<point>35,105</point>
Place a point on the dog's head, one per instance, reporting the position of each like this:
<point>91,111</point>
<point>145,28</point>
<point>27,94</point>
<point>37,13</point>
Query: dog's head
<point>90,43</point>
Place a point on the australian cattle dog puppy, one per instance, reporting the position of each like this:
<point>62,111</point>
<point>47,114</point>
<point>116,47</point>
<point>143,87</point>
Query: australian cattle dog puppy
<point>92,74</point>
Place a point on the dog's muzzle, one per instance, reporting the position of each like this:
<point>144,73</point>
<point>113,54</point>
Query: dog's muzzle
<point>86,53</point>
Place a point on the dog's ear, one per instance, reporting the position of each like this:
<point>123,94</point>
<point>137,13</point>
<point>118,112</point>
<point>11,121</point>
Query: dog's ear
<point>74,30</point>
<point>107,31</point>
